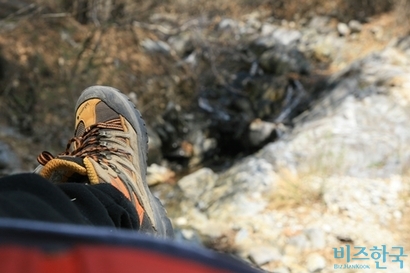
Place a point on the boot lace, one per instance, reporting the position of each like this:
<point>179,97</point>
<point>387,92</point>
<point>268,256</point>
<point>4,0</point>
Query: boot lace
<point>90,144</point>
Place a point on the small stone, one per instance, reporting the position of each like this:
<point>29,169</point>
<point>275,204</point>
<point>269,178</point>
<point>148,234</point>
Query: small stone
<point>241,236</point>
<point>287,36</point>
<point>264,254</point>
<point>377,32</point>
<point>320,24</point>
<point>157,174</point>
<point>156,46</point>
<point>260,132</point>
<point>181,221</point>
<point>188,233</point>
<point>188,236</point>
<point>227,23</point>
<point>355,26</point>
<point>296,268</point>
<point>280,36</point>
<point>315,262</point>
<point>281,270</point>
<point>267,29</point>
<point>181,44</point>
<point>344,238</point>
<point>195,184</point>
<point>397,214</point>
<point>316,237</point>
<point>254,23</point>
<point>343,29</point>
<point>327,228</point>
<point>133,97</point>
<point>213,230</point>
<point>290,260</point>
<point>299,241</point>
<point>281,60</point>
<point>325,48</point>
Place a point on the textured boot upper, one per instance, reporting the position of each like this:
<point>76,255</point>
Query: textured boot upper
<point>104,149</point>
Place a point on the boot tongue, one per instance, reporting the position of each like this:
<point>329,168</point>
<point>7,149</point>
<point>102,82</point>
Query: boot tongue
<point>63,168</point>
<point>80,130</point>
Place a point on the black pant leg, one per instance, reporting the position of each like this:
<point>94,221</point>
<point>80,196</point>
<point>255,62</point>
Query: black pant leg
<point>102,204</point>
<point>30,196</point>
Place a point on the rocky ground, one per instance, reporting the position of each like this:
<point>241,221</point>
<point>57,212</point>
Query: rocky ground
<point>338,177</point>
<point>273,140</point>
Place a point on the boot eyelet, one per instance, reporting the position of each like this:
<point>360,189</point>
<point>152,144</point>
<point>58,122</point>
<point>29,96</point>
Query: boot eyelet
<point>112,166</point>
<point>106,155</point>
<point>104,143</point>
<point>104,134</point>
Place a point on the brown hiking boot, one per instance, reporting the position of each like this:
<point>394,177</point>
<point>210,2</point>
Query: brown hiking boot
<point>109,146</point>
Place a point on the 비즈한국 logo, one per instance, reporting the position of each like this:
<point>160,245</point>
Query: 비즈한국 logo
<point>351,256</point>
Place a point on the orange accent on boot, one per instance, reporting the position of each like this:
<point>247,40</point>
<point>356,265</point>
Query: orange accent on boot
<point>139,208</point>
<point>116,182</point>
<point>90,171</point>
<point>64,165</point>
<point>86,113</point>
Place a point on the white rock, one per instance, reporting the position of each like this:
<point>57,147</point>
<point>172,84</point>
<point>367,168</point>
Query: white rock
<point>315,262</point>
<point>188,233</point>
<point>261,255</point>
<point>156,46</point>
<point>287,36</point>
<point>320,23</point>
<point>281,270</point>
<point>157,174</point>
<point>267,29</point>
<point>194,184</point>
<point>260,131</point>
<point>397,214</point>
<point>343,29</point>
<point>317,238</point>
<point>241,236</point>
<point>355,26</point>
<point>181,221</point>
<point>227,24</point>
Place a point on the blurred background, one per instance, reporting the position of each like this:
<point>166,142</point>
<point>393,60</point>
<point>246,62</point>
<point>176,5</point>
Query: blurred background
<point>278,130</point>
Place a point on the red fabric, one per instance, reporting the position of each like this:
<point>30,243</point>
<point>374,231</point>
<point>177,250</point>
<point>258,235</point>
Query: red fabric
<point>95,259</point>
